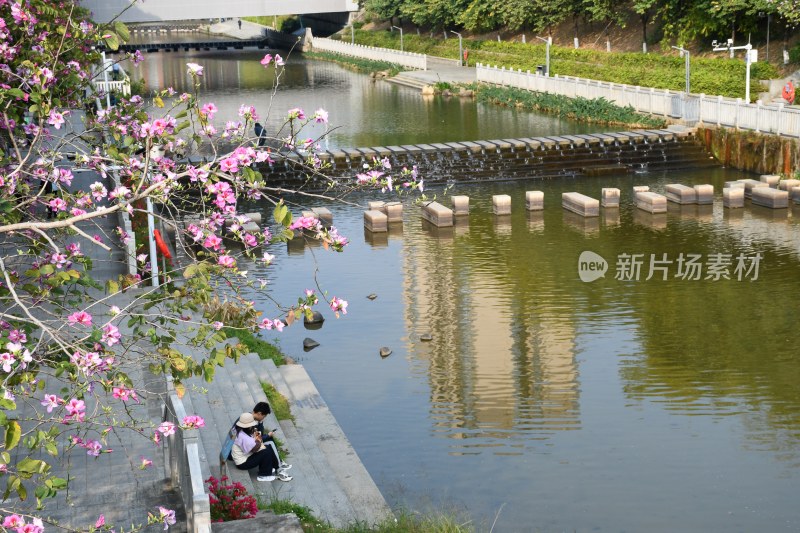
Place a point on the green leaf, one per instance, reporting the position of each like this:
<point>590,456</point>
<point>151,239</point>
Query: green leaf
<point>13,433</point>
<point>122,31</point>
<point>32,466</point>
<point>8,405</point>
<point>112,41</point>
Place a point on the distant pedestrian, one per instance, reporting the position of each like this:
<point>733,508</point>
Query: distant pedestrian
<point>240,24</point>
<point>788,92</point>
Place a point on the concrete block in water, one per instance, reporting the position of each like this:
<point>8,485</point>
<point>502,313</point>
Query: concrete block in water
<point>651,202</point>
<point>438,215</point>
<point>770,179</point>
<point>580,204</point>
<point>324,215</point>
<point>680,194</point>
<point>772,198</point>
<point>460,205</point>
<point>734,185</point>
<point>750,184</point>
<point>534,200</point>
<point>704,194</point>
<point>393,211</point>
<point>795,194</point>
<point>733,197</point>
<point>640,188</point>
<point>501,204</point>
<point>376,205</point>
<point>376,221</point>
<point>788,185</point>
<point>609,197</point>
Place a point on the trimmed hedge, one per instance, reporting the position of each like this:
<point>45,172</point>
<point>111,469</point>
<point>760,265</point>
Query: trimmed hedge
<point>712,76</point>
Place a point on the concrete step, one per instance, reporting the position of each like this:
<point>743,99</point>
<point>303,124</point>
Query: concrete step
<point>315,422</point>
<point>406,81</point>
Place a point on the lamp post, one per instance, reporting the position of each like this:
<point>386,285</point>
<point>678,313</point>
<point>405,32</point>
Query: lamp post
<point>747,48</point>
<point>460,49</point>
<point>105,79</point>
<point>401,37</point>
<point>352,34</point>
<point>547,42</point>
<point>685,54</point>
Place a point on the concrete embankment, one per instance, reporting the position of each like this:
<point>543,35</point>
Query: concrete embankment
<point>750,151</point>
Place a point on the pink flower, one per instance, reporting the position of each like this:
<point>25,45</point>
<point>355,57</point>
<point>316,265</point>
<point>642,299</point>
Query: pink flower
<point>213,242</point>
<point>56,119</point>
<point>266,60</point>
<point>193,422</point>
<point>51,401</point>
<point>111,335</point>
<point>209,110</point>
<point>305,223</point>
<point>146,463</point>
<point>278,324</point>
<point>337,305</point>
<point>194,68</point>
<point>167,516</point>
<point>81,317</point>
<point>321,116</point>
<point>124,394</point>
<point>226,261</point>
<point>166,428</point>
<point>265,324</point>
<point>278,60</point>
<point>101,521</point>
<point>297,113</point>
<point>7,359</point>
<point>93,447</point>
<point>13,521</point>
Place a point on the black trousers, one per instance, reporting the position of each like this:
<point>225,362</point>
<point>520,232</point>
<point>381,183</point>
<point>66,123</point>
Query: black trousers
<point>264,459</point>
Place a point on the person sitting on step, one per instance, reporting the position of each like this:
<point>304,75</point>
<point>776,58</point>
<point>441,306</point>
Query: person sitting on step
<point>249,451</point>
<point>260,412</point>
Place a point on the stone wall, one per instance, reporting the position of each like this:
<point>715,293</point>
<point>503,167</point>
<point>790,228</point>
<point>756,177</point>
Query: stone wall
<point>750,151</point>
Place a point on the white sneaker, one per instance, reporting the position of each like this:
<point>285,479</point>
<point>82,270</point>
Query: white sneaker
<point>267,478</point>
<point>284,466</point>
<point>283,476</point>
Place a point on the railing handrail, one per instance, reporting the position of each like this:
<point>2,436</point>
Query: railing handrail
<point>184,466</point>
<point>723,111</point>
<point>406,59</point>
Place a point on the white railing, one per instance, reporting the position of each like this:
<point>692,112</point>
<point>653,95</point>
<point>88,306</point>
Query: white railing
<point>185,471</point>
<point>406,59</point>
<point>732,112</point>
<point>122,86</point>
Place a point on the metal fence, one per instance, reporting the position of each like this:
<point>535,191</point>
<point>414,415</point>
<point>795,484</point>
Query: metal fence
<point>122,86</point>
<point>406,59</point>
<point>183,461</point>
<point>732,112</point>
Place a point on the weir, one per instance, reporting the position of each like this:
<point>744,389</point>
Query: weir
<point>510,159</point>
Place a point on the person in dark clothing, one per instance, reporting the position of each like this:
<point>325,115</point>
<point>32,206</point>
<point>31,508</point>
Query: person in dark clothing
<point>261,133</point>
<point>260,412</point>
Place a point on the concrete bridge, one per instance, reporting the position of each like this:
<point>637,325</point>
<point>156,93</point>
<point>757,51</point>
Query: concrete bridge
<point>176,10</point>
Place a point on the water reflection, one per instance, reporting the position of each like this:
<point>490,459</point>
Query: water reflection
<point>363,112</point>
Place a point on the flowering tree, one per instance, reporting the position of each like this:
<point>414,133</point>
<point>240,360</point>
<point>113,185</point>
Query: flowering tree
<point>67,340</point>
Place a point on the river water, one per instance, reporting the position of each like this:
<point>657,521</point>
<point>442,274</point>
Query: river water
<point>658,399</point>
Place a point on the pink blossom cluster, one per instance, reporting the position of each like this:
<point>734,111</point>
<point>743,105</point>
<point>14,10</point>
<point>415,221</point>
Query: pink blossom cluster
<point>17,523</point>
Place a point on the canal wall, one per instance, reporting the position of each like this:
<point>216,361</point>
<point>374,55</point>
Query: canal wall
<point>750,151</point>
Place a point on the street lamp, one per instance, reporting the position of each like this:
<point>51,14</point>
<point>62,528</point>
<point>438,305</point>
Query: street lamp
<point>547,42</point>
<point>460,49</point>
<point>685,54</point>
<point>352,34</point>
<point>718,47</point>
<point>401,36</point>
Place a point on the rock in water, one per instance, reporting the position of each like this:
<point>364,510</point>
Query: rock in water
<point>385,352</point>
<point>309,344</point>
<point>316,318</point>
<point>372,296</point>
<point>426,337</point>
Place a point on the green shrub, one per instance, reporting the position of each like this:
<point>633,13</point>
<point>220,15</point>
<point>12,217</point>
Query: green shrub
<point>794,54</point>
<point>289,24</point>
<point>712,76</point>
<point>598,110</point>
<point>357,64</point>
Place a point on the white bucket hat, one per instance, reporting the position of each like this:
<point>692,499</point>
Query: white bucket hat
<point>246,420</point>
